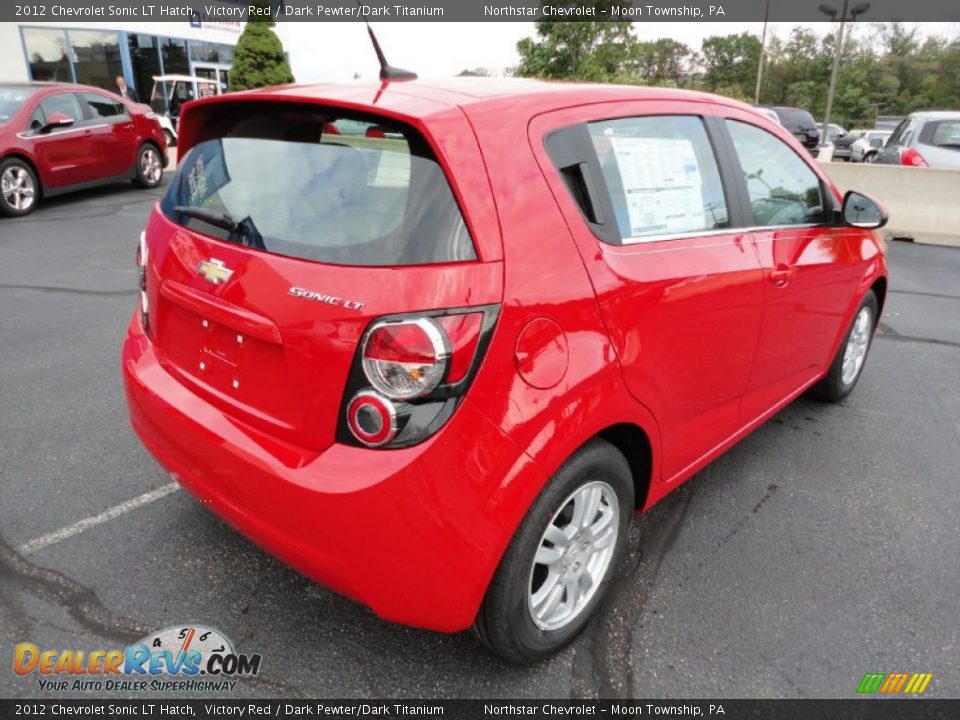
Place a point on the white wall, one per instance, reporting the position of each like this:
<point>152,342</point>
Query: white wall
<point>13,66</point>
<point>922,202</point>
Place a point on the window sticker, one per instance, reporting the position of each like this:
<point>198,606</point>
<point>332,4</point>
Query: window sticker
<point>662,184</point>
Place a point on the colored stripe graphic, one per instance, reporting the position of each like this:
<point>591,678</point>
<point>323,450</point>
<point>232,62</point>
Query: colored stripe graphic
<point>895,683</point>
<point>871,682</point>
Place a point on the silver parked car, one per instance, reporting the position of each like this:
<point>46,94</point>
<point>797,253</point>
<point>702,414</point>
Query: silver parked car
<point>924,139</point>
<point>866,146</point>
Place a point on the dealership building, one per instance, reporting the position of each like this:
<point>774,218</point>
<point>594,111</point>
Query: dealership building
<point>96,53</point>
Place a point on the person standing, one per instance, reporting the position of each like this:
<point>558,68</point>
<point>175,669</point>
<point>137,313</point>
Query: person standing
<point>125,91</point>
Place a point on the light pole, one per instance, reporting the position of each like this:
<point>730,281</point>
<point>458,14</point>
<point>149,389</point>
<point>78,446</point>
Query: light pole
<point>763,52</point>
<point>831,11</point>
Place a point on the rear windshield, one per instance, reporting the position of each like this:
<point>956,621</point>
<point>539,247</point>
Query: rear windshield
<point>792,117</point>
<point>322,187</point>
<point>11,100</point>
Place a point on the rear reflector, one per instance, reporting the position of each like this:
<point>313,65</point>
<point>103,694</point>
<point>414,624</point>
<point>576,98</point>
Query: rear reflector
<point>372,418</point>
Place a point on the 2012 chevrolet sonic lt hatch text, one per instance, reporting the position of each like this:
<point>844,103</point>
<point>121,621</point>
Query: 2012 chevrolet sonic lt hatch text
<point>434,344</point>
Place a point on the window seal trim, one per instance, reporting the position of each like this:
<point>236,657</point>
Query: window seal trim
<point>644,239</point>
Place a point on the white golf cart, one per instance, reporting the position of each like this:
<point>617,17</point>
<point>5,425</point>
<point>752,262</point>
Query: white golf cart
<point>170,92</point>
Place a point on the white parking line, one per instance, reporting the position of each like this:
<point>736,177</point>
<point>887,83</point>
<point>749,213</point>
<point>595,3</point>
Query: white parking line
<point>94,520</point>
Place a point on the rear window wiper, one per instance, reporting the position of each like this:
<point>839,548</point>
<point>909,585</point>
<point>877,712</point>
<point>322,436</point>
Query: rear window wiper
<point>214,217</point>
<point>244,228</point>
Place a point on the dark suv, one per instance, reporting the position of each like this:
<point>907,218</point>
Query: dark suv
<point>801,125</point>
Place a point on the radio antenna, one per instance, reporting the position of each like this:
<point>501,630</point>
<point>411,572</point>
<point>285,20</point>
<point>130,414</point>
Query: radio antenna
<point>387,71</point>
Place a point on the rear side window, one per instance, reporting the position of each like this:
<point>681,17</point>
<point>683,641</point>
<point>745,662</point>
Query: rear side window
<point>942,133</point>
<point>783,190</point>
<point>662,176</point>
<point>101,107</point>
<point>318,186</point>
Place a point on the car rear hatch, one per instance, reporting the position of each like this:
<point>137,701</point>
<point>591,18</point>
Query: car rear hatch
<point>287,229</point>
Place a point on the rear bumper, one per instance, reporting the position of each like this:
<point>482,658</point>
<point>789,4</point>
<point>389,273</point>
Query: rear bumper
<point>415,534</point>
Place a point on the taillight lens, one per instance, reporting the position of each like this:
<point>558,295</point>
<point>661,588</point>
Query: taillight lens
<point>411,373</point>
<point>406,359</point>
<point>909,156</point>
<point>142,254</point>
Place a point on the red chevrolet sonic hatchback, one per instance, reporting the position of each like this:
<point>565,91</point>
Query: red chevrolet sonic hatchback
<point>57,138</point>
<point>433,344</point>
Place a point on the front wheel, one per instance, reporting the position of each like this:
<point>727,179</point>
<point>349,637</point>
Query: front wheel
<point>847,365</point>
<point>149,166</point>
<point>19,189</point>
<point>559,564</point>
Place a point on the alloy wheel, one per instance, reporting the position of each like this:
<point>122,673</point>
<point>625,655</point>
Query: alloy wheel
<point>18,188</point>
<point>574,555</point>
<point>151,168</point>
<point>858,342</point>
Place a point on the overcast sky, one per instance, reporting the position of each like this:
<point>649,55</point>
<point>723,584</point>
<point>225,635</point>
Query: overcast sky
<point>335,51</point>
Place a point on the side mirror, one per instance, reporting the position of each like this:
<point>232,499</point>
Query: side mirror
<point>861,212</point>
<point>57,120</point>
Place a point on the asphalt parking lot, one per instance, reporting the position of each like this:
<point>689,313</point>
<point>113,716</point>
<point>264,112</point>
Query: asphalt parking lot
<point>824,546</point>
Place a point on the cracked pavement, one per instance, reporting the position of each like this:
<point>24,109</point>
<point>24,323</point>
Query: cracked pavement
<point>825,545</point>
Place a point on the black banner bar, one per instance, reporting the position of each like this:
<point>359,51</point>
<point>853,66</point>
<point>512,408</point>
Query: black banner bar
<point>854,709</point>
<point>643,11</point>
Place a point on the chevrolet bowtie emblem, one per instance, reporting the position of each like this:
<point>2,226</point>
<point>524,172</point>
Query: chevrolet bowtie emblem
<point>214,271</point>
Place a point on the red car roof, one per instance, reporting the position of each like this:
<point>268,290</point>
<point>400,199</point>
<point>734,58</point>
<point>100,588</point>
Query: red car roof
<point>424,97</point>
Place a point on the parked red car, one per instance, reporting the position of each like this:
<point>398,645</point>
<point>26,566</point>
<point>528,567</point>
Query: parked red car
<point>433,344</point>
<point>59,138</point>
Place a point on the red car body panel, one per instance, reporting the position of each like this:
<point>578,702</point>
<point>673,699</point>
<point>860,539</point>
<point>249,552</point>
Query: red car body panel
<point>689,343</point>
<point>86,154</point>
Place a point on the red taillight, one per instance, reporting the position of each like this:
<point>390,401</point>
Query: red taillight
<point>909,156</point>
<point>411,374</point>
<point>142,254</point>
<point>463,332</point>
<point>407,358</point>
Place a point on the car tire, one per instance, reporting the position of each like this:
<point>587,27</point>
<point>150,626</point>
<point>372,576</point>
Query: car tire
<point>19,188</point>
<point>847,365</point>
<point>508,623</point>
<point>869,158</point>
<point>170,138</point>
<point>149,166</point>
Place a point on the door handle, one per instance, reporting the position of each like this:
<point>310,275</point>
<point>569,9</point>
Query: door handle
<point>782,275</point>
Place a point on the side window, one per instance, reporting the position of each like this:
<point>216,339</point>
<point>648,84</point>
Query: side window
<point>662,176</point>
<point>783,190</point>
<point>899,136</point>
<point>37,119</point>
<point>65,103</point>
<point>102,107</point>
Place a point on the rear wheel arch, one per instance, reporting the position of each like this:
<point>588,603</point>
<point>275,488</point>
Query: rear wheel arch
<point>33,167</point>
<point>634,444</point>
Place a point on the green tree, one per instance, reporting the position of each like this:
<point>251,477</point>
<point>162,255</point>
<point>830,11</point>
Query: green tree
<point>730,62</point>
<point>592,51</point>
<point>259,59</point>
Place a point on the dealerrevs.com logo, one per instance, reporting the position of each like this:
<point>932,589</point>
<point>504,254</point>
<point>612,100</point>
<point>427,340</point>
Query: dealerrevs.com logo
<point>179,658</point>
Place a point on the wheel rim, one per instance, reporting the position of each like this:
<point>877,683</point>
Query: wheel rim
<point>858,342</point>
<point>150,167</point>
<point>18,188</point>
<point>573,556</point>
